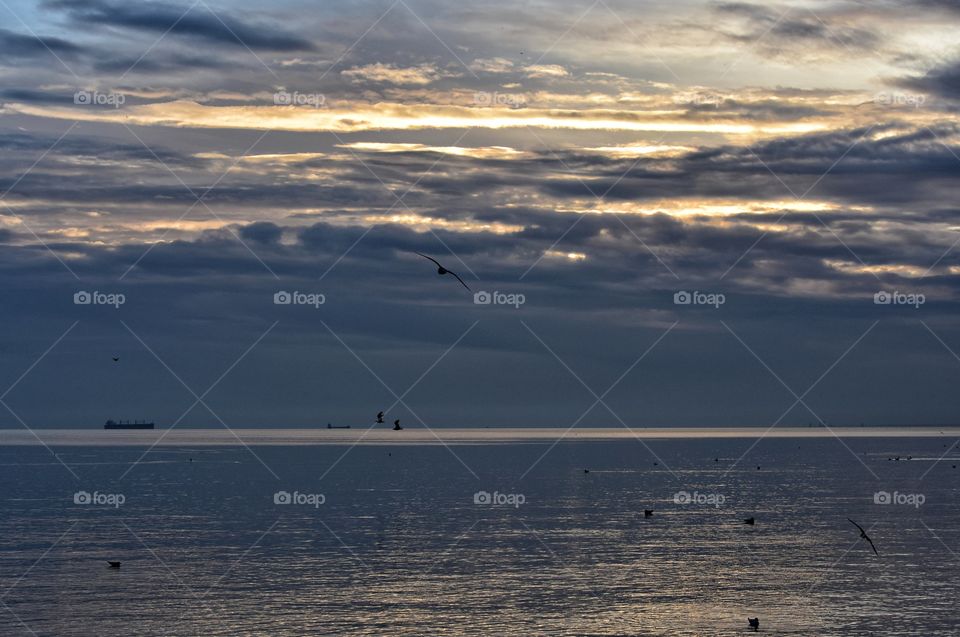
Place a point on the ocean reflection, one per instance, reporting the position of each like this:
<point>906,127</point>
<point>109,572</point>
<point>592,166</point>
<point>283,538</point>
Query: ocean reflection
<point>402,543</point>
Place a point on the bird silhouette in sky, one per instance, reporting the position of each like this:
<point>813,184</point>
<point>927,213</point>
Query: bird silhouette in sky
<point>116,359</point>
<point>442,270</point>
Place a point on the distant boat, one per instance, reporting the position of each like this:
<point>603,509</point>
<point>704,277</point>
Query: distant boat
<point>136,424</point>
<point>329,426</point>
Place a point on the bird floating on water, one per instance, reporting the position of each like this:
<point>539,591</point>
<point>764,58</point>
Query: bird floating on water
<point>647,513</point>
<point>749,521</point>
<point>442,270</point>
<point>754,622</point>
<point>863,534</point>
<point>113,564</point>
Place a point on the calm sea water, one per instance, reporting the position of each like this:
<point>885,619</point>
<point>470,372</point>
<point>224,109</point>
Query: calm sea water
<point>399,546</point>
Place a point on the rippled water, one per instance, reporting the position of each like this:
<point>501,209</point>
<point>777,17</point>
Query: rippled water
<point>399,546</point>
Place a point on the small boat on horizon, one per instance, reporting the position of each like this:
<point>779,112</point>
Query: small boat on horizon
<point>136,424</point>
<point>329,426</point>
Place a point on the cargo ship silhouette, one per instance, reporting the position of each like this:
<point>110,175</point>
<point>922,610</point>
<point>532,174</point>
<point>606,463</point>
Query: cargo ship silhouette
<point>136,424</point>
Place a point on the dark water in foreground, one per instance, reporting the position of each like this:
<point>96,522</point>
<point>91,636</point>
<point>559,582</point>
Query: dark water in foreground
<point>399,547</point>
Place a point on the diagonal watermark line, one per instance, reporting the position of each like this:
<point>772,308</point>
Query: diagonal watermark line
<point>39,439</point>
<point>39,39</point>
<point>402,396</point>
<point>199,400</point>
<point>39,159</point>
<point>439,39</point>
<point>20,218</point>
<point>639,39</point>
<point>768,368</point>
<point>753,43</point>
<point>241,558</point>
<point>957,241</point>
<point>38,560</point>
<point>800,198</point>
<point>599,199</point>
<point>194,204</point>
<point>42,242</point>
<point>567,32</point>
<point>597,401</point>
<point>437,560</point>
<point>162,562</point>
<point>38,360</point>
<point>954,354</point>
<point>399,201</point>
<point>799,400</point>
<point>202,202</point>
<point>17,382</point>
<point>358,40</point>
<point>345,545</point>
<point>558,560</point>
<point>937,537</point>
<point>20,621</point>
<point>240,40</point>
<point>158,40</point>
<point>399,400</point>
<point>840,559</point>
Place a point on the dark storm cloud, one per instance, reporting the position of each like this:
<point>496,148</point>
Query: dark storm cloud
<point>774,28</point>
<point>942,81</point>
<point>196,22</point>
<point>19,45</point>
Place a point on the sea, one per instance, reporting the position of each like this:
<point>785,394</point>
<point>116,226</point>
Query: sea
<point>479,532</point>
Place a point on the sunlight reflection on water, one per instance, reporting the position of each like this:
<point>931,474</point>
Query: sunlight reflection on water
<point>399,545</point>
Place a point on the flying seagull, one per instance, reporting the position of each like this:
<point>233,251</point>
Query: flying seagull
<point>442,270</point>
<point>864,535</point>
<point>116,359</point>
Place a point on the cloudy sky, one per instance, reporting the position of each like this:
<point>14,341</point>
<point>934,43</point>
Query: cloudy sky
<point>786,162</point>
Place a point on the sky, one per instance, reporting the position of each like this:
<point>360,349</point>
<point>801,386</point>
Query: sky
<point>667,213</point>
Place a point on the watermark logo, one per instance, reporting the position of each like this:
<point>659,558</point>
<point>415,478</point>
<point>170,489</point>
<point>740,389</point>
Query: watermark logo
<point>900,100</point>
<point>715,500</point>
<point>510,100</point>
<point>485,498</point>
<point>699,99</point>
<point>299,298</point>
<point>915,500</point>
<point>899,298</point>
<point>296,98</point>
<point>696,297</point>
<point>99,499</point>
<point>499,298</point>
<point>301,499</point>
<point>96,98</point>
<point>99,298</point>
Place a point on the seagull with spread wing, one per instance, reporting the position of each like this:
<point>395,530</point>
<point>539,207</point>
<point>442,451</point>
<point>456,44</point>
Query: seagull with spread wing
<point>863,534</point>
<point>442,270</point>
